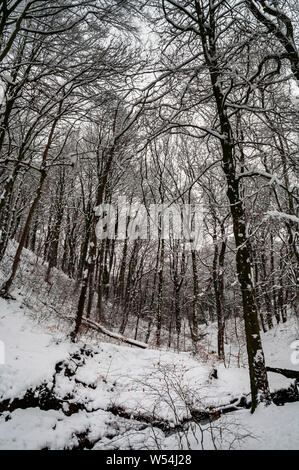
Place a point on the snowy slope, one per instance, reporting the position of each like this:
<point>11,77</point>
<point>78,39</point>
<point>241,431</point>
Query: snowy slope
<point>98,389</point>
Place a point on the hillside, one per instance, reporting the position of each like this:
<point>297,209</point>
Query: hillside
<point>55,394</point>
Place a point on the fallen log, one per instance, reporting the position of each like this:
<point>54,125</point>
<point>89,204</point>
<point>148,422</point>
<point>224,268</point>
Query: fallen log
<point>290,374</point>
<point>111,334</point>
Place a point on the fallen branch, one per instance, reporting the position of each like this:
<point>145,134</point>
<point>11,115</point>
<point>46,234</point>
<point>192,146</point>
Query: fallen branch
<point>290,374</point>
<point>111,334</point>
<point>238,403</point>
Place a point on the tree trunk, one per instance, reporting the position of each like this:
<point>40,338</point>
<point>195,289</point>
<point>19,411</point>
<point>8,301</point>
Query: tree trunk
<point>7,285</point>
<point>195,303</point>
<point>260,391</point>
<point>218,266</point>
<point>90,256</point>
<point>160,295</point>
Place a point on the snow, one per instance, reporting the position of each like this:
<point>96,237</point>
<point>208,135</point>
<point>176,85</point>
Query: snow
<point>25,367</point>
<point>277,427</point>
<point>269,428</point>
<point>37,429</point>
<point>283,215</point>
<point>160,384</point>
<point>2,92</point>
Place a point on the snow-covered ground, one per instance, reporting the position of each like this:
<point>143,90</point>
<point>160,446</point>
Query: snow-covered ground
<point>110,396</point>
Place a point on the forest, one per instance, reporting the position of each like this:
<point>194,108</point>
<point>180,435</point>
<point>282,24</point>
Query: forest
<point>149,224</point>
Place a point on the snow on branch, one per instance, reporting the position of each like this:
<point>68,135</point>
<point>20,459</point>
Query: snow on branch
<point>283,215</point>
<point>273,179</point>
